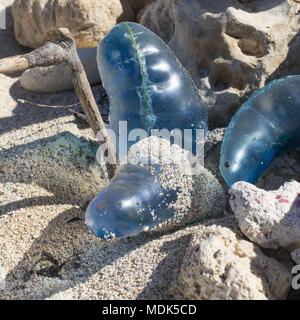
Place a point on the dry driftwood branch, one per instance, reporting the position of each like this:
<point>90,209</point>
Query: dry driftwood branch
<point>63,50</point>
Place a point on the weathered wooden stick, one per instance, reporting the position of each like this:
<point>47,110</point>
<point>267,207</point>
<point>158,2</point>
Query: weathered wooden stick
<point>48,55</point>
<point>64,51</point>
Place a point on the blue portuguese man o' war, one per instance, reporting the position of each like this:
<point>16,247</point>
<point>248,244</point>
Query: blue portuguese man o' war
<point>143,196</point>
<point>149,88</point>
<point>146,84</point>
<point>266,125</point>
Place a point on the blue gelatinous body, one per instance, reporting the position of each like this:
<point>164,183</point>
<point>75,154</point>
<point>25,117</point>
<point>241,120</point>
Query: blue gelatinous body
<point>146,84</point>
<point>267,124</point>
<point>134,200</point>
<point>149,88</point>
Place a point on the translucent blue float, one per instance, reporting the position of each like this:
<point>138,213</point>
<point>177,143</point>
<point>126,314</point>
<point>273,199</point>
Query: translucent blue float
<point>149,88</point>
<point>266,125</point>
<point>146,84</point>
<point>134,201</point>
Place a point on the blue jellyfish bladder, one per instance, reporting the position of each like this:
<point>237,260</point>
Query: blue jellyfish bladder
<point>146,84</point>
<point>134,201</point>
<point>266,125</point>
<point>149,88</point>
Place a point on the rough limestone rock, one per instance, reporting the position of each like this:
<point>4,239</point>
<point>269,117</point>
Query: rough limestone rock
<point>212,150</point>
<point>268,218</point>
<point>88,21</point>
<point>220,265</point>
<point>60,78</point>
<point>230,47</point>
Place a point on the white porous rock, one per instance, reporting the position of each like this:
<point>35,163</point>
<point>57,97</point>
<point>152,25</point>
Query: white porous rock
<point>88,21</point>
<point>268,218</point>
<point>60,78</point>
<point>230,47</point>
<point>219,265</point>
<point>199,194</point>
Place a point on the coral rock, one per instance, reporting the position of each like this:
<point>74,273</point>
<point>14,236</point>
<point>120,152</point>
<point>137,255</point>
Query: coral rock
<point>220,265</point>
<point>268,218</point>
<point>230,47</point>
<point>88,21</point>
